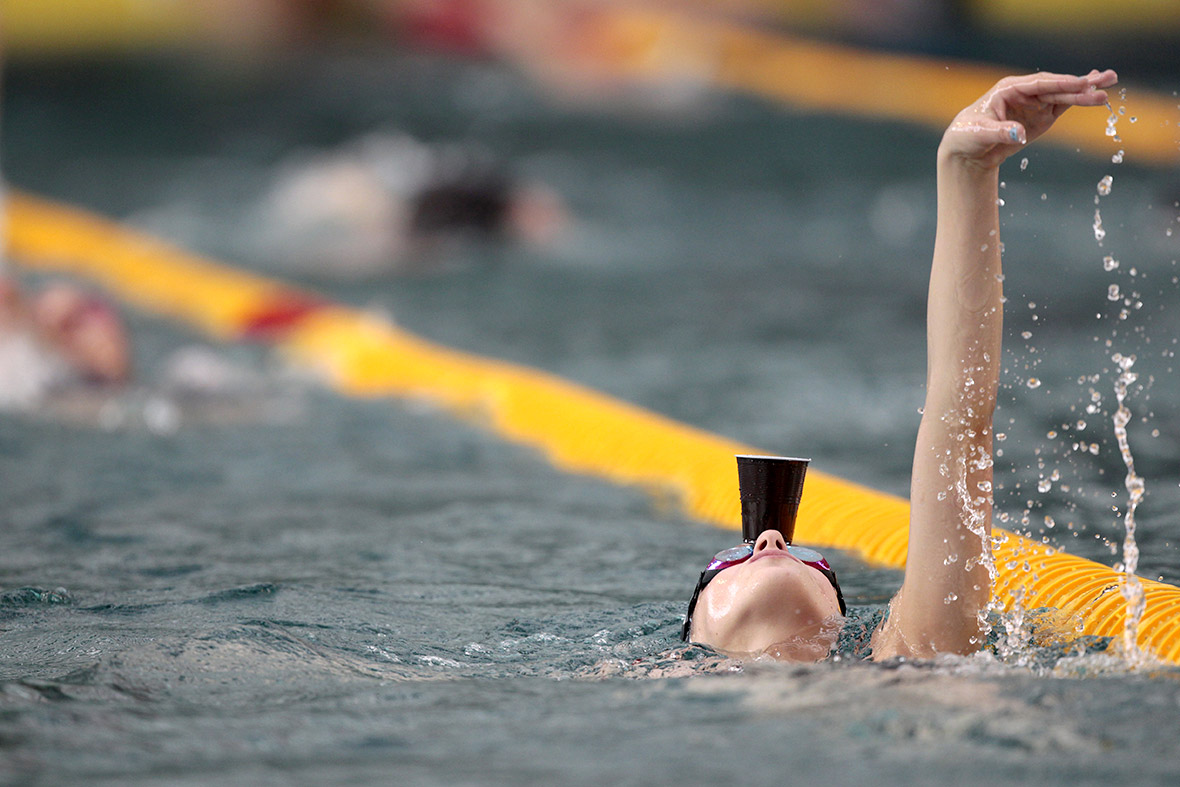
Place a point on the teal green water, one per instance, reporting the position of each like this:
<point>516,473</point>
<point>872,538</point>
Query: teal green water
<point>281,586</point>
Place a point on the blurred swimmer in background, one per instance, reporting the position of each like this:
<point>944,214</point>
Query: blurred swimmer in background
<point>389,203</point>
<point>57,337</point>
<point>767,596</point>
<point>65,355</point>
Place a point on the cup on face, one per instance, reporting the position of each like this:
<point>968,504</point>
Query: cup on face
<point>770,488</point>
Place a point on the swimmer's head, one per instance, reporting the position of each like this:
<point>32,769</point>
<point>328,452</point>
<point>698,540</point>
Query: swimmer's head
<point>537,215</point>
<point>86,330</point>
<point>11,303</point>
<point>767,595</point>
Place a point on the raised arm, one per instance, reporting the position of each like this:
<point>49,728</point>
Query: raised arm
<point>948,578</point>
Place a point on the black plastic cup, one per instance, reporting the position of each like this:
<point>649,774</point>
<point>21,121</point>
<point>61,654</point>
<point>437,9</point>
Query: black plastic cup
<point>771,488</point>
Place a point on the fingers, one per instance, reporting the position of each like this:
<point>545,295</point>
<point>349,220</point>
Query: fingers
<point>1049,93</point>
<point>1053,89</point>
<point>1103,79</point>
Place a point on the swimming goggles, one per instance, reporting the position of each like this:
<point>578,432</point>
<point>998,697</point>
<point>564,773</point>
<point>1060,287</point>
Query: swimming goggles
<point>740,554</point>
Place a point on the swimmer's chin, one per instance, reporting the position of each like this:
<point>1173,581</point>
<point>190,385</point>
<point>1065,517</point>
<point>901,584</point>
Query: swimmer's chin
<point>809,647</point>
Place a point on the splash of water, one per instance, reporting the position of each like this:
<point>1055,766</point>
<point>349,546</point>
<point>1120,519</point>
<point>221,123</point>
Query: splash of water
<point>1015,646</point>
<point>1132,588</point>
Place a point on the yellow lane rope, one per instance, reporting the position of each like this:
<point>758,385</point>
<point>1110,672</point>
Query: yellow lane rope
<point>825,77</point>
<point>108,26</point>
<point>579,430</point>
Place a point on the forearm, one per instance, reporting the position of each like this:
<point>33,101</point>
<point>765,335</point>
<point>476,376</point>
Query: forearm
<point>965,304</point>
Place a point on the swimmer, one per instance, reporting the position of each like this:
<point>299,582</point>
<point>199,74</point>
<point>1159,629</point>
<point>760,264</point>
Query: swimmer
<point>58,335</point>
<point>770,597</point>
<point>389,202</point>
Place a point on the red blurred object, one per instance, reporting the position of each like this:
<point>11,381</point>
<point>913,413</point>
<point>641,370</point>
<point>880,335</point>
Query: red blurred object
<point>285,311</point>
<point>457,26</point>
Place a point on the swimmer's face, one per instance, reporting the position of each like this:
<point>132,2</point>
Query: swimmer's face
<point>772,603</point>
<point>11,304</point>
<point>86,331</point>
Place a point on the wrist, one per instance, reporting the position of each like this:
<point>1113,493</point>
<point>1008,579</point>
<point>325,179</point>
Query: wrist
<point>960,173</point>
<point>956,162</point>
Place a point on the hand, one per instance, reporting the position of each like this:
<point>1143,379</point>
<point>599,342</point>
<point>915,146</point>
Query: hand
<point>1018,110</point>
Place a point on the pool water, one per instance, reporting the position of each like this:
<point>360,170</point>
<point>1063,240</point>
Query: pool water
<point>282,585</point>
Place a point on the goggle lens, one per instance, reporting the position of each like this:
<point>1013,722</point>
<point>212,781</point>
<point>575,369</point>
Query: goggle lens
<point>741,553</point>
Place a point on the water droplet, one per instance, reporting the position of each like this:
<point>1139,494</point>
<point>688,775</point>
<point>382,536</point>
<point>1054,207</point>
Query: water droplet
<point>1044,196</point>
<point>1026,335</point>
<point>950,597</point>
<point>1117,158</point>
<point>1044,485</point>
<point>983,247</point>
<point>1099,233</point>
<point>1023,164</point>
<point>1133,119</point>
<point>1081,424</point>
<point>1111,125</point>
<point>1112,293</point>
<point>1104,185</point>
<point>1033,382</point>
<point>1001,437</point>
<point>1109,263</point>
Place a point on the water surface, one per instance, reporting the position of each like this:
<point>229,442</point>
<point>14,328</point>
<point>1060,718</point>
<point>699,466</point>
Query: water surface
<point>295,587</point>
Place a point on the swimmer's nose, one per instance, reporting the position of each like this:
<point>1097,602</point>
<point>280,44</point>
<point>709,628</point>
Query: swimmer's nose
<point>770,539</point>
